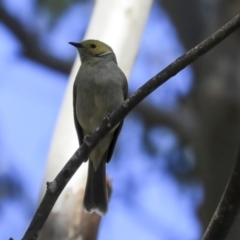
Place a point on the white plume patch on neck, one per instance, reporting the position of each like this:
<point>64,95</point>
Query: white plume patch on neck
<point>103,54</point>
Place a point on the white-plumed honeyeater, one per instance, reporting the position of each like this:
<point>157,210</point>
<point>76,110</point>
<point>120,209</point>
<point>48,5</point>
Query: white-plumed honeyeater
<point>99,88</point>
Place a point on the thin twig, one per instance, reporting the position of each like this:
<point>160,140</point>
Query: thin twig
<point>228,207</point>
<point>56,187</point>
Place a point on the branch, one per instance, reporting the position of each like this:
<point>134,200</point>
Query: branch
<point>55,188</point>
<point>228,207</point>
<point>30,45</point>
<point>74,223</point>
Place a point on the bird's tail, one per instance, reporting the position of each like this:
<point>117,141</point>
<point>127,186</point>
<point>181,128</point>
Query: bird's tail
<point>96,197</point>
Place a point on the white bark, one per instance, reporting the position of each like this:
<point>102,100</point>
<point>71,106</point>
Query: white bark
<point>120,24</point>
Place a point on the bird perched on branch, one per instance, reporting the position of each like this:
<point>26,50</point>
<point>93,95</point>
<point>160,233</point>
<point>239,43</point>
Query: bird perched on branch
<point>99,88</point>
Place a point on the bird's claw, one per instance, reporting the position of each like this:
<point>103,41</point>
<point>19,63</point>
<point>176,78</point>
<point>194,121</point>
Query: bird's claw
<point>86,140</point>
<point>107,116</point>
<point>106,119</point>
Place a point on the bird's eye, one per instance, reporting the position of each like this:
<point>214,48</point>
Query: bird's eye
<point>92,45</point>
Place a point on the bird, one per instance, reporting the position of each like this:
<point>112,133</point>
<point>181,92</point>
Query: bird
<point>99,88</point>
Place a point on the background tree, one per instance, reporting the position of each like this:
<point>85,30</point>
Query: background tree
<point>215,96</point>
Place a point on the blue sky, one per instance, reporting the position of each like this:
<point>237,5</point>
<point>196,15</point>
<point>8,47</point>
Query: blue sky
<point>147,202</point>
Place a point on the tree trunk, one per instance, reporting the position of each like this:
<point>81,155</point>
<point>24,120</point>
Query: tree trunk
<point>215,97</point>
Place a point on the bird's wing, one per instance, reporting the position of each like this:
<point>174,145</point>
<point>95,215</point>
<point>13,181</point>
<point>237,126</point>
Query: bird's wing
<point>113,142</point>
<point>125,88</point>
<point>77,125</point>
<point>117,131</point>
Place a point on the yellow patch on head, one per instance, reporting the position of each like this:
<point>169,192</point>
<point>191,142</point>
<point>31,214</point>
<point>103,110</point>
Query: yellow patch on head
<point>96,47</point>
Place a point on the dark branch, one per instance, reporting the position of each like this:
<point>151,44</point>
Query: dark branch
<point>228,207</point>
<point>82,153</point>
<point>30,45</point>
<point>54,189</point>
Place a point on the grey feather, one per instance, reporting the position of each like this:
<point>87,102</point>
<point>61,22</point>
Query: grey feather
<point>99,88</point>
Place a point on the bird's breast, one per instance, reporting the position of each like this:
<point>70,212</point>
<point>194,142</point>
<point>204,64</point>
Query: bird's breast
<point>94,101</point>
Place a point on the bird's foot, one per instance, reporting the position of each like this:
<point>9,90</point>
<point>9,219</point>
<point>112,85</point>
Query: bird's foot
<point>106,120</point>
<point>86,140</point>
<point>107,116</point>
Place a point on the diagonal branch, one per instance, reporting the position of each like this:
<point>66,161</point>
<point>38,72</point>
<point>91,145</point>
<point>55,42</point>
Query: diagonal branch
<point>55,188</point>
<point>30,45</point>
<point>228,207</point>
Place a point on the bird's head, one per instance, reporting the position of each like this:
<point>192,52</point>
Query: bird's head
<point>92,48</point>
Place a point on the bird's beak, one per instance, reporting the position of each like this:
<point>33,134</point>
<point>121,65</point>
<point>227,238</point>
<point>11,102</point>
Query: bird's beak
<point>77,45</point>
